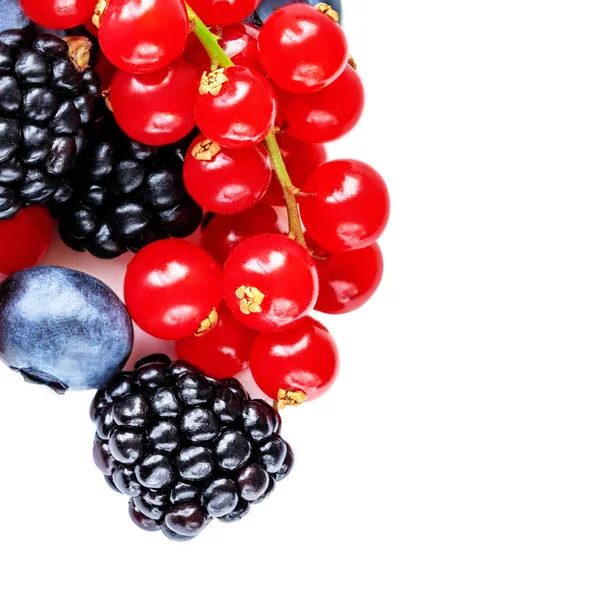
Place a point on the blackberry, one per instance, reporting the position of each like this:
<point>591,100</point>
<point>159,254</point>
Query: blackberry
<point>186,448</point>
<point>127,195</point>
<point>47,96</point>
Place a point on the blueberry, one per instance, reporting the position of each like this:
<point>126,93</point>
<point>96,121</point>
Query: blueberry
<point>63,328</point>
<point>12,15</point>
<point>268,7</point>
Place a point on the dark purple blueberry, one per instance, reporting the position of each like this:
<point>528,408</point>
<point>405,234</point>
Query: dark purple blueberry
<point>220,497</point>
<point>186,519</point>
<point>272,453</point>
<point>232,450</point>
<point>154,471</point>
<point>252,482</point>
<point>78,340</point>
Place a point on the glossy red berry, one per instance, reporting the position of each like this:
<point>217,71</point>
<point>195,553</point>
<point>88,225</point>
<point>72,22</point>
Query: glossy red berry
<point>172,288</point>
<point>223,12</point>
<point>347,205</point>
<point>297,364</point>
<point>141,37</point>
<point>226,181</point>
<point>236,107</point>
<point>327,115</point>
<point>226,232</point>
<point>156,108</point>
<point>59,14</point>
<point>239,42</point>
<point>269,281</point>
<point>302,49</point>
<point>222,352</point>
<point>24,239</point>
<point>348,279</point>
<point>301,160</point>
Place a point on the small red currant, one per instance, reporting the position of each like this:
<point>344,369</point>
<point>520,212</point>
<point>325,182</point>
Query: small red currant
<point>226,232</point>
<point>347,205</point>
<point>59,14</point>
<point>239,42</point>
<point>302,49</point>
<point>223,12</point>
<point>226,181</point>
<point>300,159</point>
<point>270,281</point>
<point>222,352</point>
<point>236,107</point>
<point>297,364</point>
<point>140,37</point>
<point>25,239</point>
<point>156,108</point>
<point>348,279</point>
<point>173,289</point>
<point>327,115</point>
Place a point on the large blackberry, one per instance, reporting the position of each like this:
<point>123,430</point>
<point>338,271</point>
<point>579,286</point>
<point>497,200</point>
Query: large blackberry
<point>127,195</point>
<point>186,448</point>
<point>47,96</point>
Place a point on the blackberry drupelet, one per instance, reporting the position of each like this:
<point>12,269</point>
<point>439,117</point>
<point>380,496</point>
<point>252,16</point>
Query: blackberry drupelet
<point>127,194</point>
<point>47,96</point>
<point>186,448</point>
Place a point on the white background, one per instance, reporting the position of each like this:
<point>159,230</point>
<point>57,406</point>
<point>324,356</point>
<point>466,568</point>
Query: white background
<point>458,455</point>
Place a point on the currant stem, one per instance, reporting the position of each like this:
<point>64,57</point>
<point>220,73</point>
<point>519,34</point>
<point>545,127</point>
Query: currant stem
<point>208,40</point>
<point>218,57</point>
<point>278,164</point>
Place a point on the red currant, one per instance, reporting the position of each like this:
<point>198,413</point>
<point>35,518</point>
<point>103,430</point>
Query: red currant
<point>347,205</point>
<point>222,352</point>
<point>269,281</point>
<point>348,279</point>
<point>300,159</point>
<point>226,181</point>
<point>223,12</point>
<point>236,107</point>
<point>25,239</point>
<point>156,108</point>
<point>239,41</point>
<point>141,37</point>
<point>225,232</point>
<point>327,115</point>
<point>59,14</point>
<point>297,364</point>
<point>172,289</point>
<point>302,49</point>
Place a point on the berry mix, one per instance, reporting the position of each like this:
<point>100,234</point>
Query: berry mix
<point>132,136</point>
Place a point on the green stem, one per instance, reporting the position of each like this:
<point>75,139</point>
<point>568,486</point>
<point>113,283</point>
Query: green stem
<point>218,57</point>
<point>289,191</point>
<point>208,40</point>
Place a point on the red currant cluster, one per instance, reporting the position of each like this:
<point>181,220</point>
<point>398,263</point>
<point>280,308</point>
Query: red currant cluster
<point>265,100</point>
